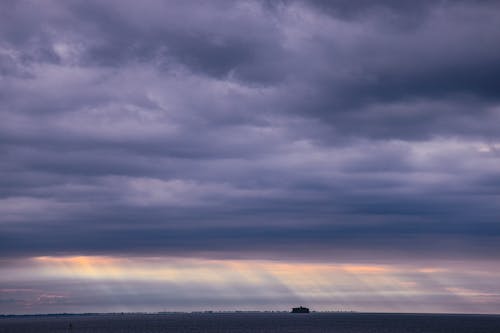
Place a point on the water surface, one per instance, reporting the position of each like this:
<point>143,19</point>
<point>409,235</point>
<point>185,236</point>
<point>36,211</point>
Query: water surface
<point>254,322</point>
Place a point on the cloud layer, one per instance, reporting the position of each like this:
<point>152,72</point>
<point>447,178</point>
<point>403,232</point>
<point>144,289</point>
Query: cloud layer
<point>250,129</point>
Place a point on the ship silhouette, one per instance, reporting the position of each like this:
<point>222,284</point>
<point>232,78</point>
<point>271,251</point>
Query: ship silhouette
<point>300,309</point>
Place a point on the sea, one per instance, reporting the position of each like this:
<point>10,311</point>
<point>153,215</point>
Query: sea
<point>252,322</point>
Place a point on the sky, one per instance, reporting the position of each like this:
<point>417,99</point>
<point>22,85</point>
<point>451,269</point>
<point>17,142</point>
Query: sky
<point>249,155</point>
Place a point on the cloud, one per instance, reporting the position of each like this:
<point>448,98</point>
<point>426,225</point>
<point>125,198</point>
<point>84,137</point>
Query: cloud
<point>250,129</point>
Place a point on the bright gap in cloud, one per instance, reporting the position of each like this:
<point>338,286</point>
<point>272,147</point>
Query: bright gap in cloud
<point>104,283</point>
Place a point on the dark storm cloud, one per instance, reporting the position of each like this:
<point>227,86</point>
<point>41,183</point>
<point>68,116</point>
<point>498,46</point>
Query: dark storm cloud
<point>240,129</point>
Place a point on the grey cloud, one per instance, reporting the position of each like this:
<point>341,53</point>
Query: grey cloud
<point>359,129</point>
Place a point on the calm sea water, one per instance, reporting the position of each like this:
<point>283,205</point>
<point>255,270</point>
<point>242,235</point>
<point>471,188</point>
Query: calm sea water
<point>255,322</point>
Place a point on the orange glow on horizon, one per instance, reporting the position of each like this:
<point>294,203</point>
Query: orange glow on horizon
<point>310,283</point>
<point>298,276</point>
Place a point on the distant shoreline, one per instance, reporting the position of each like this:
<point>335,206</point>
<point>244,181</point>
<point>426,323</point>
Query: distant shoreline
<point>208,312</point>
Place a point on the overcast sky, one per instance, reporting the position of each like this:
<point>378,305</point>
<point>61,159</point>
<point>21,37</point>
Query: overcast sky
<point>251,133</point>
